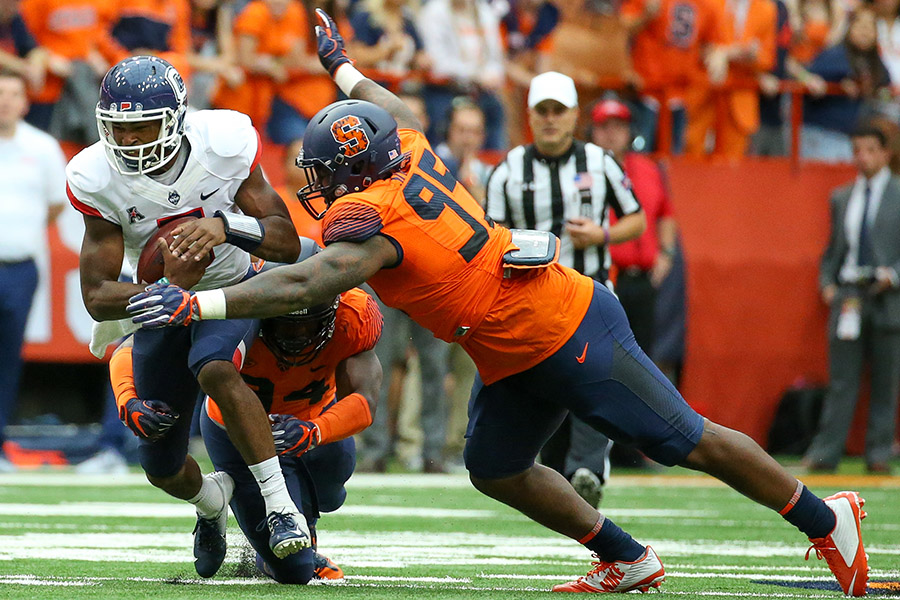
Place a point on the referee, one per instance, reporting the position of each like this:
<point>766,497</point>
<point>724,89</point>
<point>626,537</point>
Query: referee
<point>568,187</point>
<point>564,185</point>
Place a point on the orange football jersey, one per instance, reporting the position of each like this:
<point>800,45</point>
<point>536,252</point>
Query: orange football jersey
<point>449,277</point>
<point>306,391</point>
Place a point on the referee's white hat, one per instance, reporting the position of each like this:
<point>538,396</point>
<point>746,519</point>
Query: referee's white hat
<point>552,86</point>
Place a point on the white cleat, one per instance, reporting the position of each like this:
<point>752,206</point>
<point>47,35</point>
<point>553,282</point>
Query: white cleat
<point>843,548</point>
<point>619,576</point>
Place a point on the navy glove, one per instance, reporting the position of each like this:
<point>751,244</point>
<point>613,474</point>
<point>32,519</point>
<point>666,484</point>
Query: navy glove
<point>330,43</point>
<point>292,436</point>
<point>148,419</point>
<point>163,304</point>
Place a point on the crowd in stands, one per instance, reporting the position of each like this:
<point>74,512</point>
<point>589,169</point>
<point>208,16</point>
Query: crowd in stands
<point>708,74</point>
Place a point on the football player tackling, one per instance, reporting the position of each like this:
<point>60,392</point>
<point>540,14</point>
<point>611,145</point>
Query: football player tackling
<point>315,372</point>
<point>155,163</point>
<point>546,340</point>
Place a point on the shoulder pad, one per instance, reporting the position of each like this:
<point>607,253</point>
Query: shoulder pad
<point>226,133</point>
<point>89,170</point>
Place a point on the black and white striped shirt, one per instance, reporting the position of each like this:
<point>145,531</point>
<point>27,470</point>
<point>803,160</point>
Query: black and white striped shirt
<point>530,191</point>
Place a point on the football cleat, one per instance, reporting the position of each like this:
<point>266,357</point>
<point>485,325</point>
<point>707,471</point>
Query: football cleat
<point>288,533</point>
<point>843,548</point>
<point>588,486</point>
<point>325,568</point>
<point>619,576</point>
<point>209,534</point>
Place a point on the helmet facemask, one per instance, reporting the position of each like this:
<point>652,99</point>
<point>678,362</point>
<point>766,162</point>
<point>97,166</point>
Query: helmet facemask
<point>297,338</point>
<point>141,159</point>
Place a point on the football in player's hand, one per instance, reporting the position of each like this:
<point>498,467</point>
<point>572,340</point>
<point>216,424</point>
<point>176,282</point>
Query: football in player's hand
<point>151,264</point>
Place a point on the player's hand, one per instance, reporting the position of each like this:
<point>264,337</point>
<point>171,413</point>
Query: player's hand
<point>330,44</point>
<point>584,232</point>
<point>148,419</point>
<point>196,238</point>
<point>183,273</point>
<point>292,436</point>
<point>163,304</point>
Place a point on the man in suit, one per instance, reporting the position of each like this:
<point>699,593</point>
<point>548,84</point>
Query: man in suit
<point>859,280</point>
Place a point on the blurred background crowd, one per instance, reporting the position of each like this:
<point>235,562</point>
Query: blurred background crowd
<point>707,79</point>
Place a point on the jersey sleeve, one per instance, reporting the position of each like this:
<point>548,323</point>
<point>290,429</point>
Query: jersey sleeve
<point>497,197</point>
<point>351,220</point>
<point>364,321</point>
<point>622,199</point>
<point>85,180</point>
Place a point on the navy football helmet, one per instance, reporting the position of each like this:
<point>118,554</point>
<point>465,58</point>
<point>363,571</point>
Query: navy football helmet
<point>347,147</point>
<point>297,337</point>
<point>142,88</point>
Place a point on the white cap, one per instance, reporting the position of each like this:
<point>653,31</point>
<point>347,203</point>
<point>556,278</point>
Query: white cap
<point>552,86</point>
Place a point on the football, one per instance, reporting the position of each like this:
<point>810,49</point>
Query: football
<point>151,264</point>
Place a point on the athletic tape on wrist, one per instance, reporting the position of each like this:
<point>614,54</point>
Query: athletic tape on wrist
<point>346,77</point>
<point>211,303</point>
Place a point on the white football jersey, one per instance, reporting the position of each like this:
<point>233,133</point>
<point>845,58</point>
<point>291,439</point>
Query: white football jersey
<point>224,150</point>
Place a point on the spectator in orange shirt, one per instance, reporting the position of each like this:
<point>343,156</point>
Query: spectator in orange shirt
<point>285,86</point>
<point>732,112</point>
<point>75,35</point>
<point>669,40</point>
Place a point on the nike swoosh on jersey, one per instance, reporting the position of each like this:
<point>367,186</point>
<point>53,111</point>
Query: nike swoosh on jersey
<point>581,358</point>
<point>205,196</point>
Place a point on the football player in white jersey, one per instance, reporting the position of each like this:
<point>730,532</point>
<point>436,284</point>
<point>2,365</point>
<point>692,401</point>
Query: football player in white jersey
<point>153,164</point>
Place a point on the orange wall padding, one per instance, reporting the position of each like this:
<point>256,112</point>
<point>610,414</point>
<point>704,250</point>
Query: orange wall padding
<point>753,234</point>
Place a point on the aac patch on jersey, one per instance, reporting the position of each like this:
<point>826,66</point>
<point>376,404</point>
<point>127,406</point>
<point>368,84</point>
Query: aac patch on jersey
<point>134,215</point>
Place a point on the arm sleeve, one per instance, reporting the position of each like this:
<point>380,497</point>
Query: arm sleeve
<point>619,193</point>
<point>497,206</point>
<point>831,262</point>
<point>121,375</point>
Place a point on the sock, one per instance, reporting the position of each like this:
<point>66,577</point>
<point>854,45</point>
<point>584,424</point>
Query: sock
<point>608,541</point>
<point>209,500</point>
<point>808,513</point>
<point>271,484</point>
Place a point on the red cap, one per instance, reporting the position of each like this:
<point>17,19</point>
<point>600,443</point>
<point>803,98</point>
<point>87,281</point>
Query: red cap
<point>610,109</point>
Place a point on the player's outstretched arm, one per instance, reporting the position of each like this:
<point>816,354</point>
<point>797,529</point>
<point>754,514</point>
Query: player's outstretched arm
<point>340,267</point>
<point>353,83</point>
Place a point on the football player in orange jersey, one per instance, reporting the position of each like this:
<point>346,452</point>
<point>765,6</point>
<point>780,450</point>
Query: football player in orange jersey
<point>546,340</point>
<point>316,374</point>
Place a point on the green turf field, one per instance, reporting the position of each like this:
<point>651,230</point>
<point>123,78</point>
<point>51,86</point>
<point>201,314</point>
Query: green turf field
<point>414,536</point>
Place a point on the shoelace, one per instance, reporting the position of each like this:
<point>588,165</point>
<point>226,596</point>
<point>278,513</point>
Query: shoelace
<point>207,542</point>
<point>285,520</point>
<point>818,548</point>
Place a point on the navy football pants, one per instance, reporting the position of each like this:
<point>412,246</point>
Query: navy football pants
<point>603,377</point>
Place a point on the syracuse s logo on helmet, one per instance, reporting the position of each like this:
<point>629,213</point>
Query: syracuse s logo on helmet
<point>349,133</point>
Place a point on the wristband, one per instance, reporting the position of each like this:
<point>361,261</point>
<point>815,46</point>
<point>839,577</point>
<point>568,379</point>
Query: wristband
<point>346,77</point>
<point>211,304</point>
<point>243,231</point>
<point>606,236</point>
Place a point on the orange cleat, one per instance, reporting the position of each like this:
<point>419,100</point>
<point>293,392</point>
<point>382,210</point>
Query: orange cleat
<point>325,568</point>
<point>843,548</point>
<point>619,576</point>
